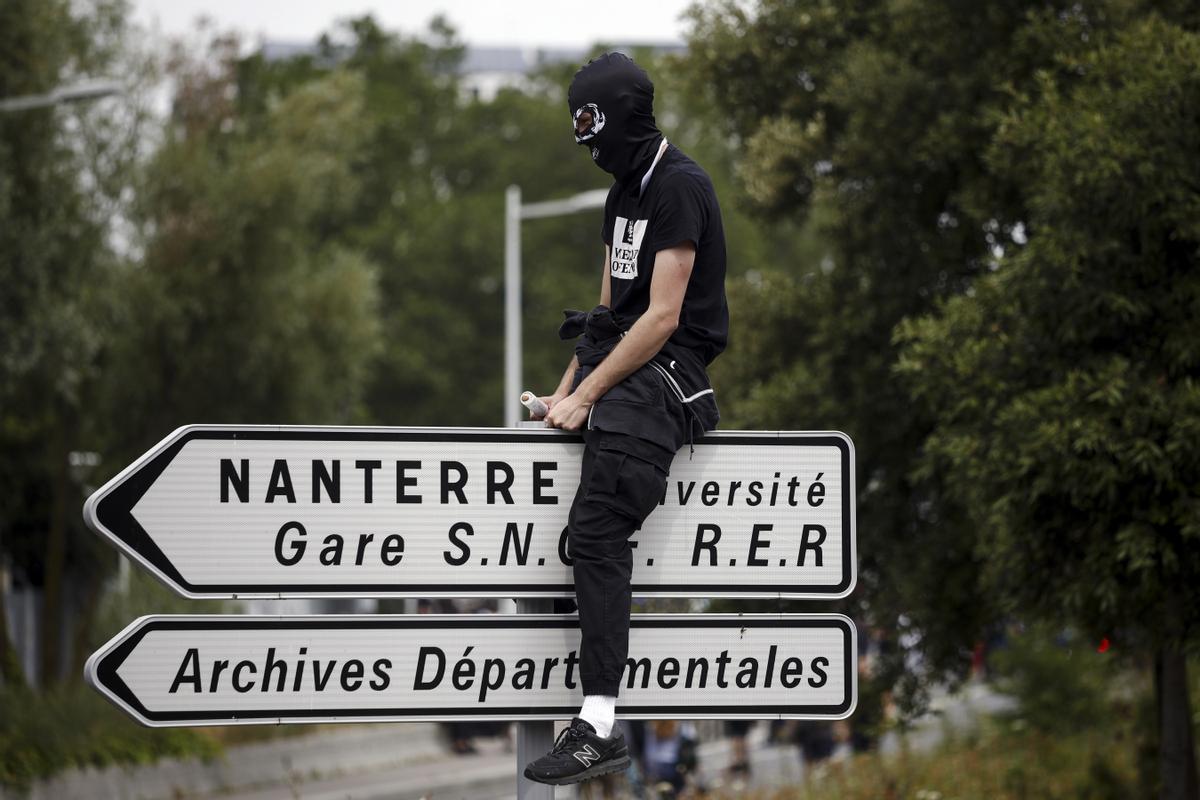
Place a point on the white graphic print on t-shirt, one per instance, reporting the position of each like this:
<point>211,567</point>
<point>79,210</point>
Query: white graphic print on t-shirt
<point>627,241</point>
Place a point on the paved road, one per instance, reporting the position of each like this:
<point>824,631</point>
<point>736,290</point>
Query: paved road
<point>411,762</point>
<point>490,774</point>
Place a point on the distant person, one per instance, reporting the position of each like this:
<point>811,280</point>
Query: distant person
<point>666,755</point>
<point>739,763</point>
<point>816,741</point>
<point>637,387</point>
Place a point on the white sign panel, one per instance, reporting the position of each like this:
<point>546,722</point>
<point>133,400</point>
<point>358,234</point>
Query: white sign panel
<point>220,670</point>
<point>379,512</point>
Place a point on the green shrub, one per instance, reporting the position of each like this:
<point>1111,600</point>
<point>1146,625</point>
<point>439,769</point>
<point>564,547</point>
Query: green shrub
<point>73,726</point>
<point>1061,684</point>
<point>998,765</point>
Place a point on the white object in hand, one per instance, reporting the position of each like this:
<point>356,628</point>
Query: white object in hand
<point>534,404</point>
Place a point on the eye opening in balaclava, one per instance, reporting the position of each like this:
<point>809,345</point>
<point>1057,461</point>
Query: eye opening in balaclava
<point>611,101</point>
<point>589,120</point>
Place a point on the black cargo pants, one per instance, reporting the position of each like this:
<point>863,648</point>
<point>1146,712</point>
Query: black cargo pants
<point>623,479</point>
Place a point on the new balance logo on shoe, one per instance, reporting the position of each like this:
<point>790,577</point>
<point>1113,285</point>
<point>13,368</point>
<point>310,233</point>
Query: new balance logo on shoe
<point>587,755</point>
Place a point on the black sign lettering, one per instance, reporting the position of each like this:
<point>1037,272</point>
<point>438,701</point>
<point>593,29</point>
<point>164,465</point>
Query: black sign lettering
<point>704,543</point>
<point>240,480</point>
<point>281,482</point>
<point>329,478</point>
<point>403,481</point>
<point>457,531</point>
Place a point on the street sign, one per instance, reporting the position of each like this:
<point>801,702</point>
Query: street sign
<point>270,512</point>
<point>222,670</point>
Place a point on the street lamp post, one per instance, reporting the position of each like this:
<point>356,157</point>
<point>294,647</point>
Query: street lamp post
<point>514,212</point>
<point>533,738</point>
<point>86,90</point>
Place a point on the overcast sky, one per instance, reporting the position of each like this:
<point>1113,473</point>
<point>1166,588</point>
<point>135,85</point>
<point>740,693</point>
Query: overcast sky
<point>480,22</point>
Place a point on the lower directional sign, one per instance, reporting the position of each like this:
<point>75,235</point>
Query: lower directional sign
<point>221,670</point>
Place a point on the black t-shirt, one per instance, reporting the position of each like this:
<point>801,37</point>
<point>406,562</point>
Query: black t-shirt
<point>679,205</point>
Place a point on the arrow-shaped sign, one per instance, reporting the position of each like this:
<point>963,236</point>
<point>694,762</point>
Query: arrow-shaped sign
<point>220,670</point>
<point>249,511</point>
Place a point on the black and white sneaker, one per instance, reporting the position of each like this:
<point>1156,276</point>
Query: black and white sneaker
<point>579,754</point>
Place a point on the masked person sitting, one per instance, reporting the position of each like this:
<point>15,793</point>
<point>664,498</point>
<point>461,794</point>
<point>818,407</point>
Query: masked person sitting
<point>637,385</point>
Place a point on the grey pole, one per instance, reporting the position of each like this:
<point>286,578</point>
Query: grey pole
<point>512,305</point>
<point>88,90</point>
<point>514,212</point>
<point>533,738</point>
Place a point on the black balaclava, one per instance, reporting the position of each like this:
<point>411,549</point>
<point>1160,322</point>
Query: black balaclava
<point>623,138</point>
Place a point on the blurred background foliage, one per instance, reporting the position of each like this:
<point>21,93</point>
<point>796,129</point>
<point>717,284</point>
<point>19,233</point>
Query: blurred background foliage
<point>965,234</point>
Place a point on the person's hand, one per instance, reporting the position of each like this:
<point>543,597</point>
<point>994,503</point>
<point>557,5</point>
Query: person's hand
<point>550,401</point>
<point>569,413</point>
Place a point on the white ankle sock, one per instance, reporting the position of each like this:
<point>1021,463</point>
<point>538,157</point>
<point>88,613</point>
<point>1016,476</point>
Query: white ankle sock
<point>600,712</point>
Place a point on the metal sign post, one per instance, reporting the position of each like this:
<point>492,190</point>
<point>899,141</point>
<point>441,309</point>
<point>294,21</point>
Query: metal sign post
<point>533,738</point>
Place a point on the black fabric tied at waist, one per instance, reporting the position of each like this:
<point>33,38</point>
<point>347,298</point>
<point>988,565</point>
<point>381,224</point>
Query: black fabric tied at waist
<point>599,329</point>
<point>667,401</point>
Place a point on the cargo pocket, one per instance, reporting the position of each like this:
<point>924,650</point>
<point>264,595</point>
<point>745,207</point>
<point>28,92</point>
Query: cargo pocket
<point>643,387</point>
<point>640,407</point>
<point>627,478</point>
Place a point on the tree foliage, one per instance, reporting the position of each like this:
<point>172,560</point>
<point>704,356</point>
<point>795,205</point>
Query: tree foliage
<point>866,121</point>
<point>1065,385</point>
<point>432,169</point>
<point>246,305</point>
<point>61,183</point>
<point>1005,318</point>
<point>881,125</point>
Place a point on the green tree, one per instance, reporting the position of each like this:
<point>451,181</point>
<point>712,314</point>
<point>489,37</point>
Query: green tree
<point>1064,386</point>
<point>868,122</point>
<point>202,281</point>
<point>62,177</point>
<point>864,121</point>
<point>248,303</point>
<point>434,167</point>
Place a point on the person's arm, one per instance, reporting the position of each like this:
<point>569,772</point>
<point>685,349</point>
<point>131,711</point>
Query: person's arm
<point>568,377</point>
<point>672,269</point>
<point>606,279</point>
